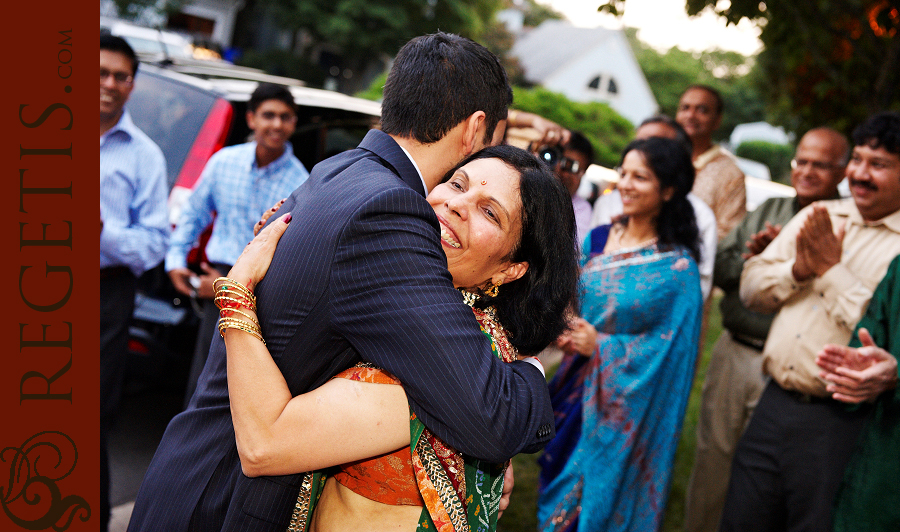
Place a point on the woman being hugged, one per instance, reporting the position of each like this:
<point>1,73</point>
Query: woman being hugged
<point>622,388</point>
<point>507,229</point>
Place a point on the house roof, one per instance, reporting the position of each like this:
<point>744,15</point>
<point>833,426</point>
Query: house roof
<point>543,50</point>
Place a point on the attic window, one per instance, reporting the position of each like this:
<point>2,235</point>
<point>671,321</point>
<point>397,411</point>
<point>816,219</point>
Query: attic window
<point>612,88</point>
<point>595,83</point>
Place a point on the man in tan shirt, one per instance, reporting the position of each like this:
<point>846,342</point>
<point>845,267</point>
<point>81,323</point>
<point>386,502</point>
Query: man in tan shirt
<point>818,274</point>
<point>719,182</point>
<point>734,379</point>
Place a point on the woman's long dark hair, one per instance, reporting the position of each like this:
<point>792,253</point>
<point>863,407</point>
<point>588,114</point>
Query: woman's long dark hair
<point>532,308</point>
<point>676,223</point>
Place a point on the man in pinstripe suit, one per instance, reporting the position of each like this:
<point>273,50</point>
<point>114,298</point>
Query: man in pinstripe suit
<point>360,275</point>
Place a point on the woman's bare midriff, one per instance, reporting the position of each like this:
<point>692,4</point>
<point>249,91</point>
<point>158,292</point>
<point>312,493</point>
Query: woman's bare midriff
<point>341,510</point>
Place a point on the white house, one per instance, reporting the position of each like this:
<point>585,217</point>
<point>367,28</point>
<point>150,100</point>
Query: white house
<point>586,64</point>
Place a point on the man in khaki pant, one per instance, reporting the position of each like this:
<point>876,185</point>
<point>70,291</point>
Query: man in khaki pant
<point>734,378</point>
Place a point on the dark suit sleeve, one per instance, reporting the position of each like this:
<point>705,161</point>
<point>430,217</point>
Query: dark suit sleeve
<point>394,301</point>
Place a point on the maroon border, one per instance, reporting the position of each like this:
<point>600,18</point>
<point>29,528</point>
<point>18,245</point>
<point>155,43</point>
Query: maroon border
<point>49,436</point>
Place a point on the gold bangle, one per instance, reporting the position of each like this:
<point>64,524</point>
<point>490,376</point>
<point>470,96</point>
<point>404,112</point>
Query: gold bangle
<point>221,299</point>
<point>248,331</point>
<point>250,317</point>
<point>230,284</point>
<point>241,325</point>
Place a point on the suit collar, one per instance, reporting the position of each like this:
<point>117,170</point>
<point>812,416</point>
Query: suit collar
<point>386,148</point>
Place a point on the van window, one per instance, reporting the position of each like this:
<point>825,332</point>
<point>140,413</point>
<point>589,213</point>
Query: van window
<point>171,113</point>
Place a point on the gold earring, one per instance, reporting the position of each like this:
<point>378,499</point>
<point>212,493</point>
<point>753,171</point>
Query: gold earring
<point>493,290</point>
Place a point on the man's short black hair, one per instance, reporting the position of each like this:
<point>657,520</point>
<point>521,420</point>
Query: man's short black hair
<point>578,142</point>
<point>881,130</point>
<point>270,91</point>
<point>680,134</point>
<point>439,80</point>
<point>114,43</point>
<point>717,96</point>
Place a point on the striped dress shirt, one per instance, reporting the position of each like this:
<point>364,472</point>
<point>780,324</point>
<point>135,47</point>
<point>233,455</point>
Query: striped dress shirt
<point>133,194</point>
<point>236,192</point>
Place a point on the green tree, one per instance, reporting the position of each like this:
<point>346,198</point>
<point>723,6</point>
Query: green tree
<point>499,40</point>
<point>536,13</point>
<point>608,131</point>
<point>362,30</point>
<point>825,62</point>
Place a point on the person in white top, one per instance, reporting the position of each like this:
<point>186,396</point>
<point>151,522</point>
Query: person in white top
<point>609,206</point>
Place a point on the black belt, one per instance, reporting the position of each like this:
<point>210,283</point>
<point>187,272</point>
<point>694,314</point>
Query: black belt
<point>749,341</point>
<point>807,398</point>
<point>114,271</point>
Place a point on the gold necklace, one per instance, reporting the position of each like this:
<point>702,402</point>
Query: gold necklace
<point>470,298</point>
<point>619,244</point>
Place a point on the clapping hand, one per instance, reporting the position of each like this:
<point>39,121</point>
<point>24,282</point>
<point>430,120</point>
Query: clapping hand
<point>759,241</point>
<point>856,375</point>
<point>818,246</point>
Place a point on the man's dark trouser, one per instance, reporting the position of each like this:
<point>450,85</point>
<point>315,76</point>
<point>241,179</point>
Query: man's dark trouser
<point>205,332</point>
<point>117,287</point>
<point>790,462</point>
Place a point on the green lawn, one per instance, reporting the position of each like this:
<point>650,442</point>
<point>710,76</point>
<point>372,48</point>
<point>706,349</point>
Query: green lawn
<point>520,516</point>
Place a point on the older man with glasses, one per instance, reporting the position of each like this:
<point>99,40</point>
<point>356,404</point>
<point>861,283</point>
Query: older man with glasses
<point>818,274</point>
<point>734,379</point>
<point>133,227</point>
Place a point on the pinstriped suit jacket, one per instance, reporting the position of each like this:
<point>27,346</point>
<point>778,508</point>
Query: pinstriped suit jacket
<point>359,274</point>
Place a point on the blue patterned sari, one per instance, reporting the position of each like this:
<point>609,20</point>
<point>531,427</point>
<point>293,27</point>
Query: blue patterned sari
<point>619,412</point>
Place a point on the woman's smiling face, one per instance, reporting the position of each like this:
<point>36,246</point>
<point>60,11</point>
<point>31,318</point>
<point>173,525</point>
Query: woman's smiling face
<point>480,213</point>
<point>640,188</point>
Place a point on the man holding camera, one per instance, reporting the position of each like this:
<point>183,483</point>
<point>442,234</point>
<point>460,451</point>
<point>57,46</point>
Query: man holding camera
<point>568,153</point>
<point>570,163</point>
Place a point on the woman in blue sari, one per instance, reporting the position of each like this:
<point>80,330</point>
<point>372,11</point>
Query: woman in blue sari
<point>621,390</point>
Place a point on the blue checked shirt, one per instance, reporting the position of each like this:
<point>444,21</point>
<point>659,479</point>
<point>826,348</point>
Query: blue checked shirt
<point>133,194</point>
<point>238,192</point>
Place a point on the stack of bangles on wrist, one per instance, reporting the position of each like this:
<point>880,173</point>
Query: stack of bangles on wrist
<point>231,296</point>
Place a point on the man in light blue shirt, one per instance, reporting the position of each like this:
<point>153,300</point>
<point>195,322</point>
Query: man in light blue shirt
<point>133,227</point>
<point>237,186</point>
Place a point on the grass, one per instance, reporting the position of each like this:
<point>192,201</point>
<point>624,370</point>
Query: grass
<point>520,516</point>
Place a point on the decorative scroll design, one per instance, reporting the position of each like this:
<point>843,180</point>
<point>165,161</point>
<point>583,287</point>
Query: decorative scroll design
<point>32,499</point>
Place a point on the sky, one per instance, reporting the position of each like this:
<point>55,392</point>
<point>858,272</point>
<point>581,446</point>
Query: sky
<point>664,23</point>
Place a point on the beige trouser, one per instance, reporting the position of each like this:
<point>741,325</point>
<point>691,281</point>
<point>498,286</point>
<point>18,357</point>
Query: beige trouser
<point>733,385</point>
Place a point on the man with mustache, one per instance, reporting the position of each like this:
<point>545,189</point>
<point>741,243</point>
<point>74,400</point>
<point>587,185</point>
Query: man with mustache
<point>819,274</point>
<point>734,379</point>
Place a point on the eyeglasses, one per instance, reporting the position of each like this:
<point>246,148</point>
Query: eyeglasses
<point>816,165</point>
<point>121,77</point>
<point>570,165</point>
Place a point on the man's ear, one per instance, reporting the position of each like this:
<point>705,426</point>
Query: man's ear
<point>251,120</point>
<point>473,132</point>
